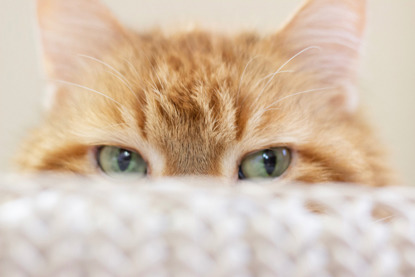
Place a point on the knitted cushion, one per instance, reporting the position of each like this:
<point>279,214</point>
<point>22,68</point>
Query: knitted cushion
<point>173,227</point>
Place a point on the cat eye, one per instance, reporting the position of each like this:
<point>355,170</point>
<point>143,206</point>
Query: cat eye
<point>268,163</point>
<point>115,161</point>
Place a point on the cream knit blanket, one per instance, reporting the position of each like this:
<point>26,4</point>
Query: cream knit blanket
<point>172,227</point>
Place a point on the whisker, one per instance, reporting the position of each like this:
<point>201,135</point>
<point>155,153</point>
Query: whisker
<point>255,118</point>
<point>86,88</point>
<point>133,67</point>
<point>266,77</point>
<point>272,74</point>
<point>242,76</point>
<point>155,72</point>
<point>104,64</point>
<point>280,68</point>
<point>125,83</point>
<point>297,93</point>
<point>113,71</point>
<point>136,73</point>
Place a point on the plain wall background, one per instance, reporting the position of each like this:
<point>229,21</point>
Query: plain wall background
<point>388,68</point>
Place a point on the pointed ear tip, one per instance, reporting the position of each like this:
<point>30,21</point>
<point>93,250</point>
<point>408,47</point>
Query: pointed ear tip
<point>42,3</point>
<point>359,6</point>
<point>362,11</point>
<point>42,6</point>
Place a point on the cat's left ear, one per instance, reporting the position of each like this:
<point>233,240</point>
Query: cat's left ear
<point>324,37</point>
<point>70,29</point>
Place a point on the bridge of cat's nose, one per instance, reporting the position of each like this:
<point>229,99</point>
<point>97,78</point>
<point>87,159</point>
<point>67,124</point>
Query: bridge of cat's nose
<point>191,151</point>
<point>189,164</point>
<point>193,167</point>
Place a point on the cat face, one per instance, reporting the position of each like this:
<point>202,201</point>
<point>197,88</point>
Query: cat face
<point>202,103</point>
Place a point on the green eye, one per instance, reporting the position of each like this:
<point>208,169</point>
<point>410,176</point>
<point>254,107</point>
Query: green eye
<point>115,161</point>
<point>269,163</point>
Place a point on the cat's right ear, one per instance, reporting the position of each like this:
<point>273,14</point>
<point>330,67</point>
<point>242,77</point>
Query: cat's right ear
<point>324,37</point>
<point>70,29</point>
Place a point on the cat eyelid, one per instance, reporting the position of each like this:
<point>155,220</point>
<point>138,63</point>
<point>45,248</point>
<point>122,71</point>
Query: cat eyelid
<point>95,150</point>
<point>257,149</point>
<point>290,146</point>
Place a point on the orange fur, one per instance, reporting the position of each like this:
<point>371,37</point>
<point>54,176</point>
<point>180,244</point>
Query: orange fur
<point>195,103</point>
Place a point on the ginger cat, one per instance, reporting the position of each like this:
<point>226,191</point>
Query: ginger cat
<point>284,106</point>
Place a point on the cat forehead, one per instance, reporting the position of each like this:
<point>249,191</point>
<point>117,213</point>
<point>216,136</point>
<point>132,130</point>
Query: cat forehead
<point>187,67</point>
<point>193,79</point>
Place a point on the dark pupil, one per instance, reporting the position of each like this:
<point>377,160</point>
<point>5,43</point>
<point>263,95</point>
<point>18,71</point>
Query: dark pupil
<point>124,159</point>
<point>270,161</point>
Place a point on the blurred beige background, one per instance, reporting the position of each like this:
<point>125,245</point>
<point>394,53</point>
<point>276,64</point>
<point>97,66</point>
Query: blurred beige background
<point>388,82</point>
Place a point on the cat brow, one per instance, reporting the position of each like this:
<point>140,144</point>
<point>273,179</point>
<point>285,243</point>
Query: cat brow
<point>117,134</point>
<point>256,118</point>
